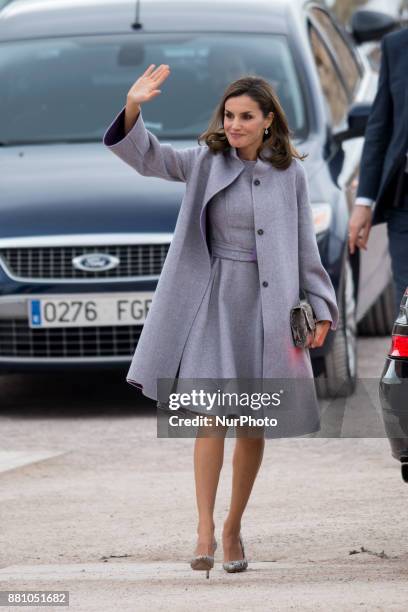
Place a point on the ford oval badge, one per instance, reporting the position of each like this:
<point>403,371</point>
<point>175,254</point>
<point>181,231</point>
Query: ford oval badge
<point>95,262</point>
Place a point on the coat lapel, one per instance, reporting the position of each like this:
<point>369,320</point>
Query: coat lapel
<point>225,168</point>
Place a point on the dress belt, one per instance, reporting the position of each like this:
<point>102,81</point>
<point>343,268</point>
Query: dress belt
<point>231,251</point>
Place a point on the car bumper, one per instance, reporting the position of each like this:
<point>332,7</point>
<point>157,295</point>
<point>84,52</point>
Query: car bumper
<point>23,348</point>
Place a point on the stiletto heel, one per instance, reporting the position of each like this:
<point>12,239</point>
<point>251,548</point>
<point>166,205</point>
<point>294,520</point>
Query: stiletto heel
<point>204,562</point>
<point>238,565</point>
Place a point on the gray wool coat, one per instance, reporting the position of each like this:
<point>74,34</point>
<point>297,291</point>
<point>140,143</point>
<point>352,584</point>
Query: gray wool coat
<point>287,253</point>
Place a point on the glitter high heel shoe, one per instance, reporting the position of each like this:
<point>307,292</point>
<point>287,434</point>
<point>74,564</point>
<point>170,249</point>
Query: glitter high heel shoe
<point>204,562</point>
<point>239,565</point>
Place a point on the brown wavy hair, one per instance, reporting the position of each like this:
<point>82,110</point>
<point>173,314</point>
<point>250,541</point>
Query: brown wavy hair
<point>277,141</point>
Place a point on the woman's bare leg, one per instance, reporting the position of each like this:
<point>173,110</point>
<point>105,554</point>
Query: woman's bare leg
<point>247,458</point>
<point>208,460</point>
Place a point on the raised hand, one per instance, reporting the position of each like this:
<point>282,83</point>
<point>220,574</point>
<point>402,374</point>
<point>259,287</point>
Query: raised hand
<point>147,86</point>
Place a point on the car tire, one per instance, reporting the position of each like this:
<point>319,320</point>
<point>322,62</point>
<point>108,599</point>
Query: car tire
<point>379,319</point>
<point>339,375</point>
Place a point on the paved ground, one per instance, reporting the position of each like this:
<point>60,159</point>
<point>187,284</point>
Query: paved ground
<point>94,503</point>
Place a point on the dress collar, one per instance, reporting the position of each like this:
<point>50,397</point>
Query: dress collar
<point>260,166</point>
<point>234,153</point>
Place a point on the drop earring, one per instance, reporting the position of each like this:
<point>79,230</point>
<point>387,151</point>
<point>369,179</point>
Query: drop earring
<point>266,131</point>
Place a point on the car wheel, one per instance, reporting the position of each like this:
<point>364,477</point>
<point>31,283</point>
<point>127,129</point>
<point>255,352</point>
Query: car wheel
<point>379,319</point>
<point>339,375</point>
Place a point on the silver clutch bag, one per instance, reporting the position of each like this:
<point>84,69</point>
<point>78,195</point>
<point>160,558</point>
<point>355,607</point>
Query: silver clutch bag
<point>302,323</point>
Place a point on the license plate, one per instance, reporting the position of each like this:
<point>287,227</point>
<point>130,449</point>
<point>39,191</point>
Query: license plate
<point>89,310</point>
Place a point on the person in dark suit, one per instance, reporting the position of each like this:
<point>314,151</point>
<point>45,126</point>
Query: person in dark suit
<point>382,195</point>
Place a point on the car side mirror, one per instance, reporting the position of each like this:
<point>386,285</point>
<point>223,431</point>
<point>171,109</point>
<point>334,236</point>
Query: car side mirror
<point>371,25</point>
<point>357,119</point>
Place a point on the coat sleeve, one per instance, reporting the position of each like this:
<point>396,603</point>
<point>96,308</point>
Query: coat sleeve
<point>141,150</point>
<point>378,132</point>
<point>313,277</point>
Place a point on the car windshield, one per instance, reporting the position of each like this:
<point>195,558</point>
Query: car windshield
<point>70,89</point>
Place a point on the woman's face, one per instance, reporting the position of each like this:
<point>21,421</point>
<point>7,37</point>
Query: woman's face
<point>244,122</point>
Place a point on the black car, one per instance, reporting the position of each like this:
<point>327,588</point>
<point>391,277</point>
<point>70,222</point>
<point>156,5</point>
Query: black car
<point>394,389</point>
<point>83,237</point>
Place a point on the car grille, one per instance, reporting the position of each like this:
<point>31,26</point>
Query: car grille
<point>17,339</point>
<point>56,262</point>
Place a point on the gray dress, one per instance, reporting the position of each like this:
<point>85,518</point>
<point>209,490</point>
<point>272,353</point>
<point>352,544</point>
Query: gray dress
<point>226,338</point>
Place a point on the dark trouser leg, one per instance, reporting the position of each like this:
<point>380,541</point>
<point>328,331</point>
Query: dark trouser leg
<point>397,228</point>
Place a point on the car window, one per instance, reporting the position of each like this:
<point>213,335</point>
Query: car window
<point>334,93</point>
<point>65,89</point>
<point>341,49</point>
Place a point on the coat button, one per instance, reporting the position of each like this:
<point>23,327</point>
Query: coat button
<point>265,283</point>
<point>260,232</point>
<point>257,182</point>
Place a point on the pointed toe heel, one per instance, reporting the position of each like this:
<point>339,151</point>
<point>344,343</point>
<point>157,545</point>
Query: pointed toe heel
<point>203,562</point>
<point>238,565</point>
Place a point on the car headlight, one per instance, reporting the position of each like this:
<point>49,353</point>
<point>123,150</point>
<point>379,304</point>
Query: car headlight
<point>322,215</point>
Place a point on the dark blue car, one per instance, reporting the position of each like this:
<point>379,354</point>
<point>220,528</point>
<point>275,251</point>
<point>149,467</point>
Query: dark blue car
<point>83,237</point>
